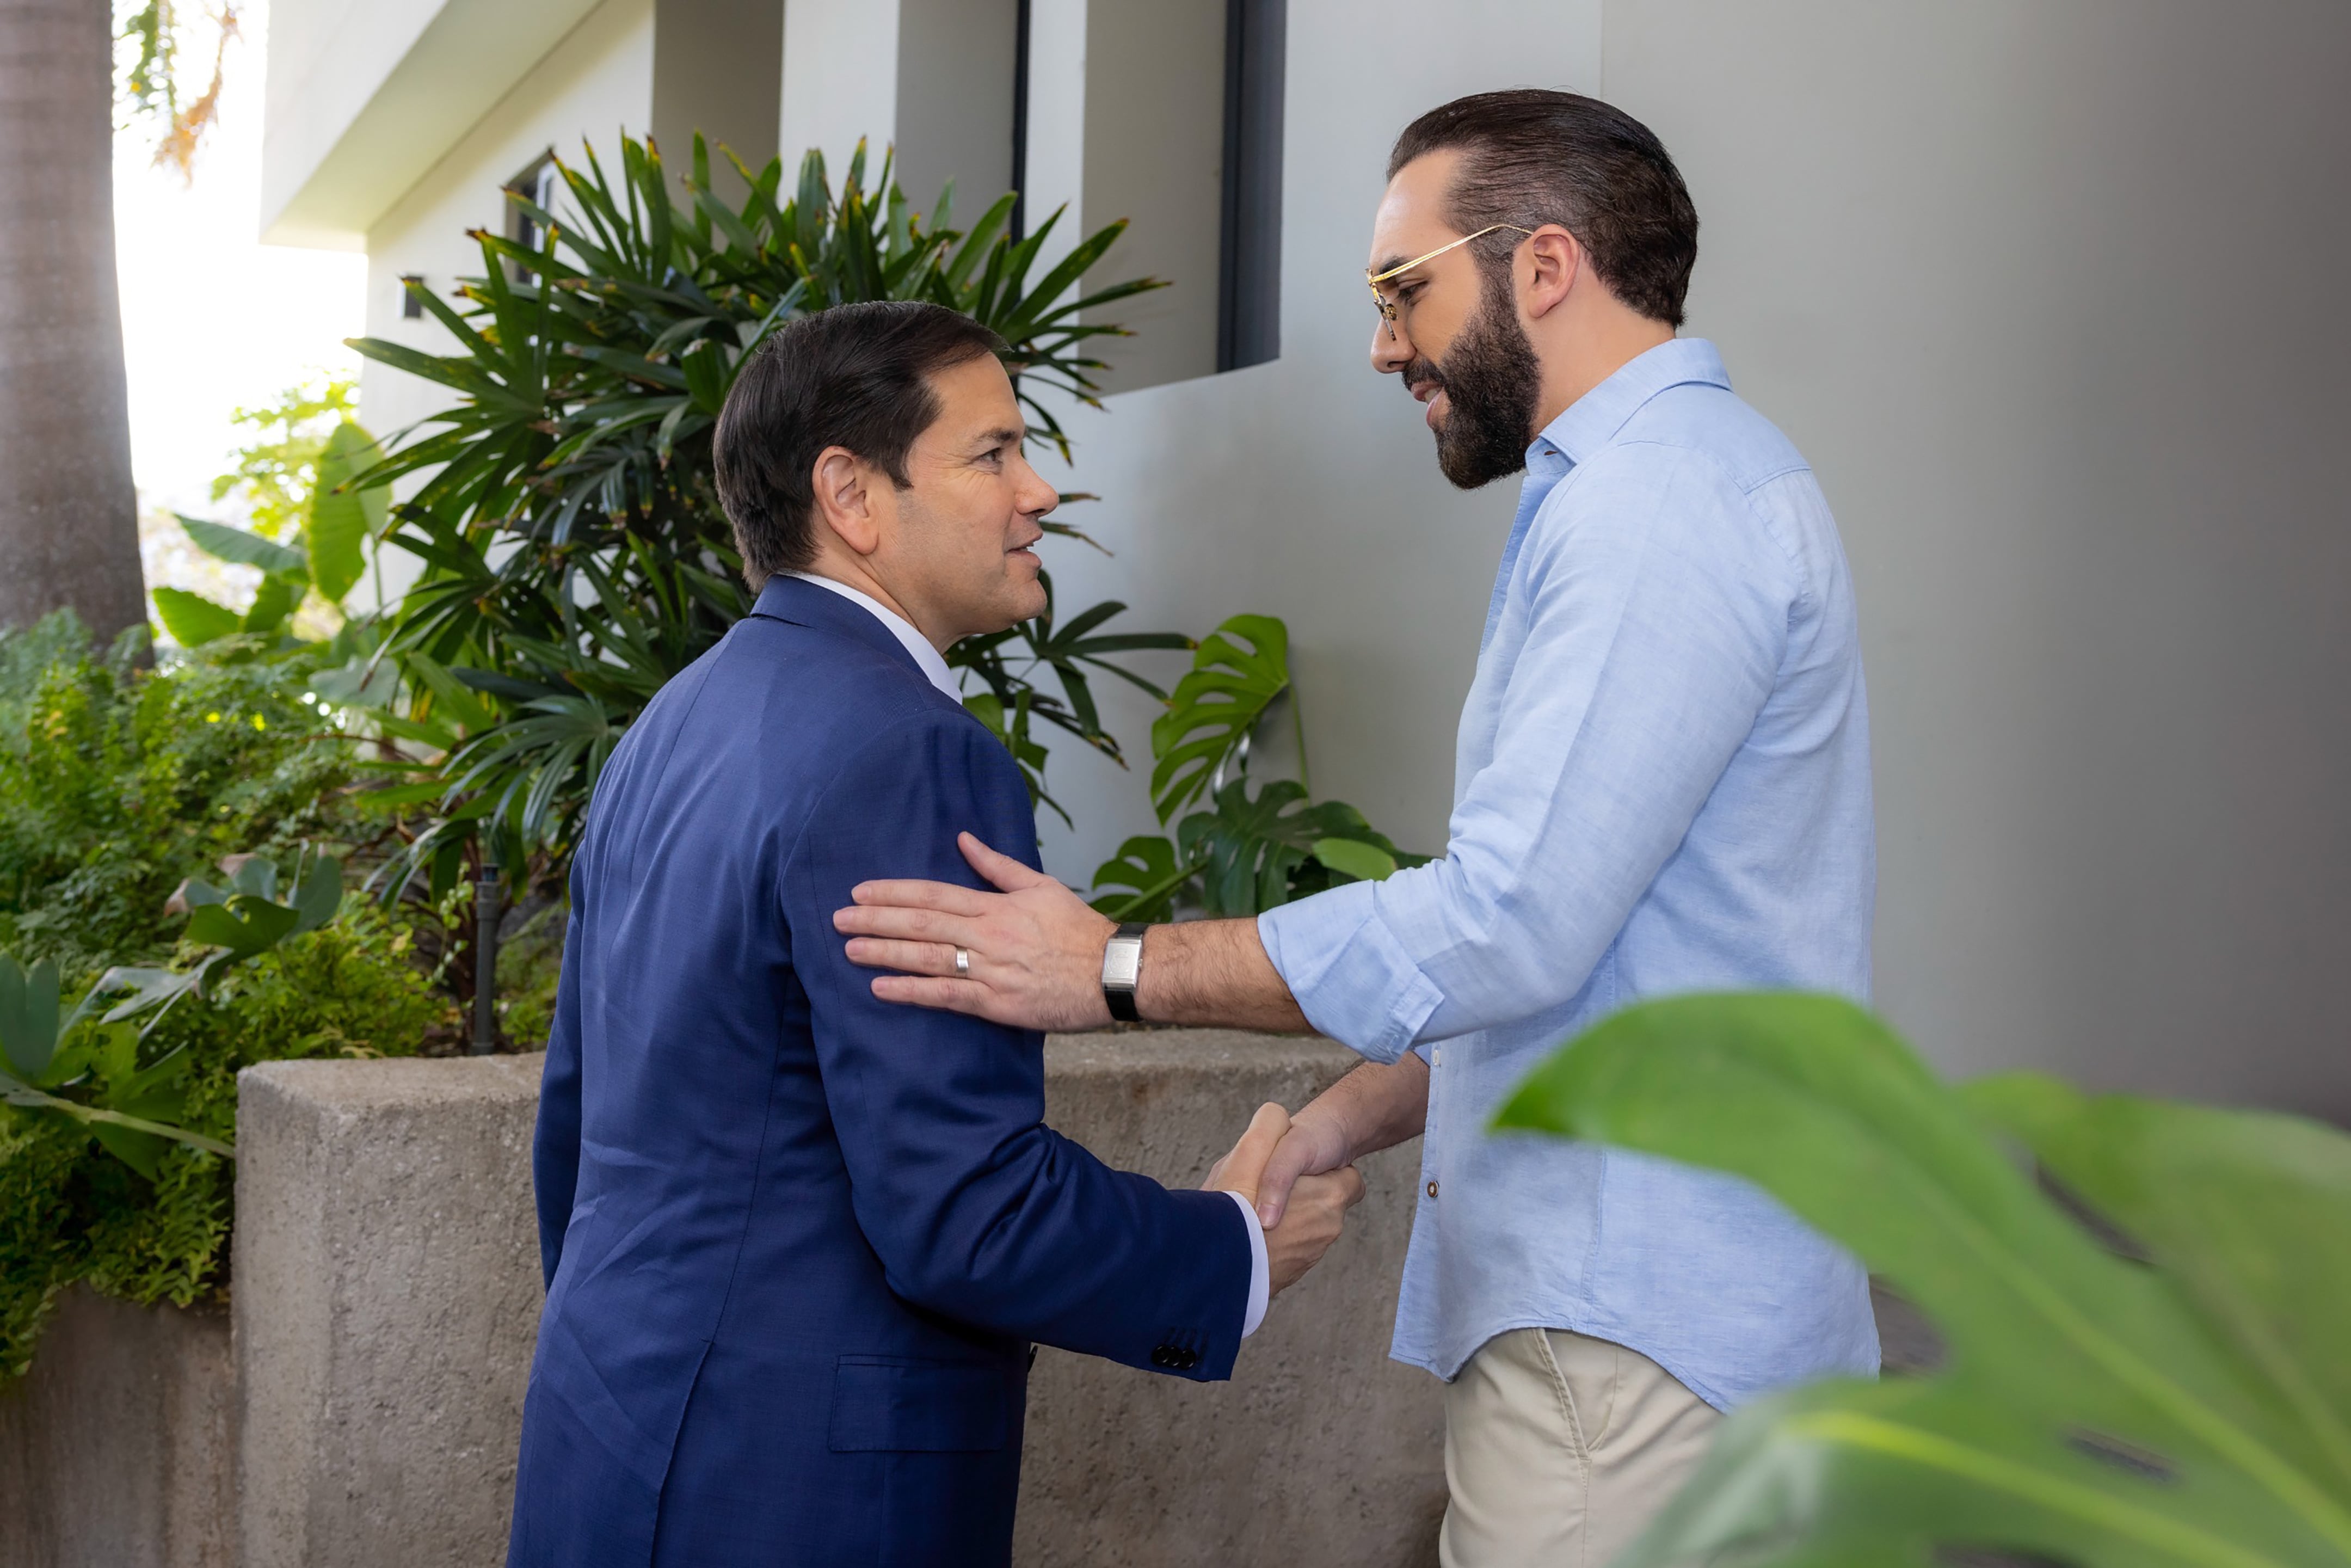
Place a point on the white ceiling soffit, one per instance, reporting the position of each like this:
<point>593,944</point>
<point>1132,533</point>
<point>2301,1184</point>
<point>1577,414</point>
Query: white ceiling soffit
<point>369,94</point>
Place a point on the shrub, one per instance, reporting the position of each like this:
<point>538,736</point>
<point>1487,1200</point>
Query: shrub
<point>118,785</point>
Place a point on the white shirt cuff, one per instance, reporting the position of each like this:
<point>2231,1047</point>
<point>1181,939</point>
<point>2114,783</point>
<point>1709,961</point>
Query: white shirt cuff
<point>1260,1272</point>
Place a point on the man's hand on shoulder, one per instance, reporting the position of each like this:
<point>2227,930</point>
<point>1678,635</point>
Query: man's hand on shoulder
<point>1033,950</point>
<point>1032,955</point>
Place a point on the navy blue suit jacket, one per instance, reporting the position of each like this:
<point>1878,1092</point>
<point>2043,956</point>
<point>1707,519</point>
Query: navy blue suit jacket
<point>797,1241</point>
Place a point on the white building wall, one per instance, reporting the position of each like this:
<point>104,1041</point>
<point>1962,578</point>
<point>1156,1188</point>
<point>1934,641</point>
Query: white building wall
<point>598,80</point>
<point>841,78</point>
<point>2053,299</point>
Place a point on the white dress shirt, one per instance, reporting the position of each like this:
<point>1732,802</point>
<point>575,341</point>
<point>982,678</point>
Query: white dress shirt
<point>934,666</point>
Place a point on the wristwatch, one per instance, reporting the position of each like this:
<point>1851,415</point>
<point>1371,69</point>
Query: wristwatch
<point>1122,965</point>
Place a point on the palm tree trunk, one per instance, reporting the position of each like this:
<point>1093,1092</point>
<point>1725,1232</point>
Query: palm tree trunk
<point>68,514</point>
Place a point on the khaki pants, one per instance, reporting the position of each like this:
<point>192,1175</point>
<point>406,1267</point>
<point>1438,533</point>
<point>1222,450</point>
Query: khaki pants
<point>1560,1449</point>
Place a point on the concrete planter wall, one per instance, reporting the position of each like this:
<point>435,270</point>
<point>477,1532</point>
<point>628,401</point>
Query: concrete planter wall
<point>387,1294</point>
<point>118,1447</point>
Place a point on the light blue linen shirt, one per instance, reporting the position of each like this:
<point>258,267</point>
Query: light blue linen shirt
<point>1661,785</point>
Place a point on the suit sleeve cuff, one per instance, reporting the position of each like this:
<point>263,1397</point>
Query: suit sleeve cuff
<point>1260,1272</point>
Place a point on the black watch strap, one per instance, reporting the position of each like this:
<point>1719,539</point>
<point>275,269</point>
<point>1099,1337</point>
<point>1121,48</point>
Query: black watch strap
<point>1121,968</point>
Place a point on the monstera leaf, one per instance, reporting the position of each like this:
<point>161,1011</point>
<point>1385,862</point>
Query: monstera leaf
<point>1140,882</point>
<point>2155,1369</point>
<point>1246,854</point>
<point>1250,849</point>
<point>1237,673</point>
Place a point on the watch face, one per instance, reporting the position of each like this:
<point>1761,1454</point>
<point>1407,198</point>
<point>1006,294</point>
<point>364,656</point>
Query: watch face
<point>1122,961</point>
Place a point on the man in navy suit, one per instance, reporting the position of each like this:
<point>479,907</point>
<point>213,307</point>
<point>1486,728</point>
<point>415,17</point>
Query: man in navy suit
<point>797,1241</point>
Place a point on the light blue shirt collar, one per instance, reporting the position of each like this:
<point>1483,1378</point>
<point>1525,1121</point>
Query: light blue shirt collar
<point>1592,421</point>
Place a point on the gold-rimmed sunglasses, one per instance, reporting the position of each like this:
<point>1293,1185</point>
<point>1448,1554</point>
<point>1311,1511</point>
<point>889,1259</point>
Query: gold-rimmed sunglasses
<point>1387,307</point>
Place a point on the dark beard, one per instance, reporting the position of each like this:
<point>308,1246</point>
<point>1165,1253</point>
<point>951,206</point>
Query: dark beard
<point>1492,382</point>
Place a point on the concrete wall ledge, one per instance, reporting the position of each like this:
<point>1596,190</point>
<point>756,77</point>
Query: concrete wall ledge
<point>388,1293</point>
<point>117,1451</point>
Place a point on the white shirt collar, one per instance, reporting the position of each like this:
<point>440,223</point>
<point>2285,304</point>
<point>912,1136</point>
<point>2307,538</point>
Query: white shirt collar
<point>933,665</point>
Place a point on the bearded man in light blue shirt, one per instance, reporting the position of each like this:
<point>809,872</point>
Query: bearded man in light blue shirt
<point>1662,785</point>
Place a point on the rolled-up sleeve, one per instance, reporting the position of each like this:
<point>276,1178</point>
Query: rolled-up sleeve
<point>1655,614</point>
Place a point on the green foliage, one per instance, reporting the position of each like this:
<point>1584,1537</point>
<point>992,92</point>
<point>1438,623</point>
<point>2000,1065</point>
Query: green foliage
<point>1238,673</point>
<point>575,553</point>
<point>340,520</point>
<point>124,794</point>
<point>88,1074</point>
<point>2155,1369</point>
<point>1243,854</point>
<point>116,783</point>
<point>276,474</point>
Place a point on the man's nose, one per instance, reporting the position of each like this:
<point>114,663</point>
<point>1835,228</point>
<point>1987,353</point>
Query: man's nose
<point>1391,349</point>
<point>1036,497</point>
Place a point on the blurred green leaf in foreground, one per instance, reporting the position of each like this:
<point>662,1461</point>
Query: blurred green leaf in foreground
<point>2150,1346</point>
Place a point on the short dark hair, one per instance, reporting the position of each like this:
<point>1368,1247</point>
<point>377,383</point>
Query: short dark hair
<point>855,376</point>
<point>1532,156</point>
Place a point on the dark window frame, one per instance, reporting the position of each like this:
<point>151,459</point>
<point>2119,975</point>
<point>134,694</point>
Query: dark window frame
<point>1019,227</point>
<point>1248,271</point>
<point>537,184</point>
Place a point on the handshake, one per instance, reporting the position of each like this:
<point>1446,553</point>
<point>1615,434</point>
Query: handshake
<point>1300,1190</point>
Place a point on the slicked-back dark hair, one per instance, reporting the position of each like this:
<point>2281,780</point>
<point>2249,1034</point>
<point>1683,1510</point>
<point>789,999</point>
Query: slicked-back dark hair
<point>1532,156</point>
<point>857,376</point>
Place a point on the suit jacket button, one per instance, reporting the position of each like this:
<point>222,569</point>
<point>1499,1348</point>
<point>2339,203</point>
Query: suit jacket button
<point>1186,1360</point>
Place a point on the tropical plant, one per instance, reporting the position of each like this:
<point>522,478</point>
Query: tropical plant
<point>120,785</point>
<point>275,474</point>
<point>575,553</point>
<point>117,782</point>
<point>1242,854</point>
<point>96,1080</point>
<point>2148,1359</point>
<point>338,521</point>
<point>93,1075</point>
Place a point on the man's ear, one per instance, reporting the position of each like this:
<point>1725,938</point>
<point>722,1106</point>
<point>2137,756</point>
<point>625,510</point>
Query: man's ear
<point>1556,258</point>
<point>846,494</point>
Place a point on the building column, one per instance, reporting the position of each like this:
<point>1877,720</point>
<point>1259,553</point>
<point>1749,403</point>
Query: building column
<point>718,71</point>
<point>932,78</point>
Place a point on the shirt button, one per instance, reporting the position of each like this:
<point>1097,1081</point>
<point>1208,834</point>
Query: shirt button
<point>1431,1189</point>
<point>1437,1057</point>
